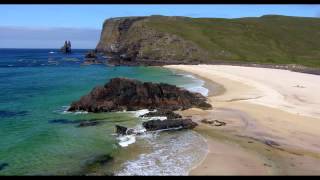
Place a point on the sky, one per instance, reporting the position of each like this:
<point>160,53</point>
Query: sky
<point>47,26</point>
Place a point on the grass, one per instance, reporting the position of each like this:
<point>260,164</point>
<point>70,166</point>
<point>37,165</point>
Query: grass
<point>267,39</point>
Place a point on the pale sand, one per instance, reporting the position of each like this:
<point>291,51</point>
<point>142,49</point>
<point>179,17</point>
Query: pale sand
<point>273,121</point>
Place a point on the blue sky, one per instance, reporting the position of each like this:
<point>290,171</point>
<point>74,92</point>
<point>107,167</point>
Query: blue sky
<point>46,25</point>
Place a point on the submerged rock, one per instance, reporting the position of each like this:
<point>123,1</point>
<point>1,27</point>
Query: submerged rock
<point>128,94</point>
<point>154,125</point>
<point>89,123</point>
<point>7,114</point>
<point>97,162</point>
<point>3,166</point>
<point>81,123</point>
<point>62,121</point>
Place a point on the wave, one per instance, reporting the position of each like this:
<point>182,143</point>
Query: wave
<point>172,154</point>
<point>125,141</point>
<point>64,110</point>
<point>197,86</point>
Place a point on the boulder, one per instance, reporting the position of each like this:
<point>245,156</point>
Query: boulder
<point>128,94</point>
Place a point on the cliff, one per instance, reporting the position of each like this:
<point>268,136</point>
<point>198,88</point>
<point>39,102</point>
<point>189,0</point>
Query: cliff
<point>157,40</point>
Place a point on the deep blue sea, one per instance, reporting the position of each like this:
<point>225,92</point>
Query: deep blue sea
<point>37,136</point>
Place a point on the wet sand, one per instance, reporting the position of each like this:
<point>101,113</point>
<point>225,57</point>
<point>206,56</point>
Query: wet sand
<point>272,121</point>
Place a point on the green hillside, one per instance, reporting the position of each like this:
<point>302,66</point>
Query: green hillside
<point>266,39</point>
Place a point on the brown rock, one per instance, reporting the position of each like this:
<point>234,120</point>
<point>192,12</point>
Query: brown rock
<point>128,94</point>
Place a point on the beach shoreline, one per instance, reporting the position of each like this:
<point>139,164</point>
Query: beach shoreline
<point>263,136</point>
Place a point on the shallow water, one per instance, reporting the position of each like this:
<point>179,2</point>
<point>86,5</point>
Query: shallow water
<point>36,87</point>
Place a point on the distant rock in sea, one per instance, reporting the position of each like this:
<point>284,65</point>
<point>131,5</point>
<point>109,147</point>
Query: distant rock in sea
<point>66,48</point>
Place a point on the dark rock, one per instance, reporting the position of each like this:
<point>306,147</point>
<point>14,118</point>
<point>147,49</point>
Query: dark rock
<point>91,58</point>
<point>3,166</point>
<point>128,94</point>
<point>121,130</point>
<point>8,114</point>
<point>91,54</point>
<point>206,121</point>
<point>66,48</point>
<point>166,113</point>
<point>213,122</point>
<point>154,125</point>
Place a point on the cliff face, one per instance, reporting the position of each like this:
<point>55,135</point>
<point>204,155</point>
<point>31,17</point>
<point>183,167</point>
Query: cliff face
<point>157,40</point>
<point>131,41</point>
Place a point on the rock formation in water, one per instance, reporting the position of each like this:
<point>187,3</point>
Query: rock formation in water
<point>155,125</point>
<point>91,58</point>
<point>127,94</point>
<point>66,48</point>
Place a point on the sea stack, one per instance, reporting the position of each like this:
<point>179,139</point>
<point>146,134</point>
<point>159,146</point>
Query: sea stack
<point>66,48</point>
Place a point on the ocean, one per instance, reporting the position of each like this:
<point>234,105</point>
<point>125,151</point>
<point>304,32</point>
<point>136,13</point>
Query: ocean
<point>38,137</point>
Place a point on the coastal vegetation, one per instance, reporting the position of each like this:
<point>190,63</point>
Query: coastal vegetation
<point>269,39</point>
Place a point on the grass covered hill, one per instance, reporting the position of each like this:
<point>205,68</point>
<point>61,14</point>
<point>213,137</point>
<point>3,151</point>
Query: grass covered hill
<point>268,39</point>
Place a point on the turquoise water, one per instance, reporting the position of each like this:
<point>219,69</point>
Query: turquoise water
<point>36,87</point>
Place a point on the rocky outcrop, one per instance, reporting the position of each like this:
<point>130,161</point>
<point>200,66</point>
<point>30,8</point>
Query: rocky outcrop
<point>66,48</point>
<point>127,94</point>
<point>91,58</point>
<point>130,41</point>
<point>155,125</point>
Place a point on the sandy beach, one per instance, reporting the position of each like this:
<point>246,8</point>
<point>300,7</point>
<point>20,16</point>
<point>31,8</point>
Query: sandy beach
<point>272,121</point>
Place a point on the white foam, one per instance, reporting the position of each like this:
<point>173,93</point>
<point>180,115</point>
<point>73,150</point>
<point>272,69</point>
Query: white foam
<point>141,112</point>
<point>199,89</point>
<point>51,52</point>
<point>125,141</point>
<point>197,86</point>
<point>161,118</point>
<point>172,154</point>
<point>64,110</point>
